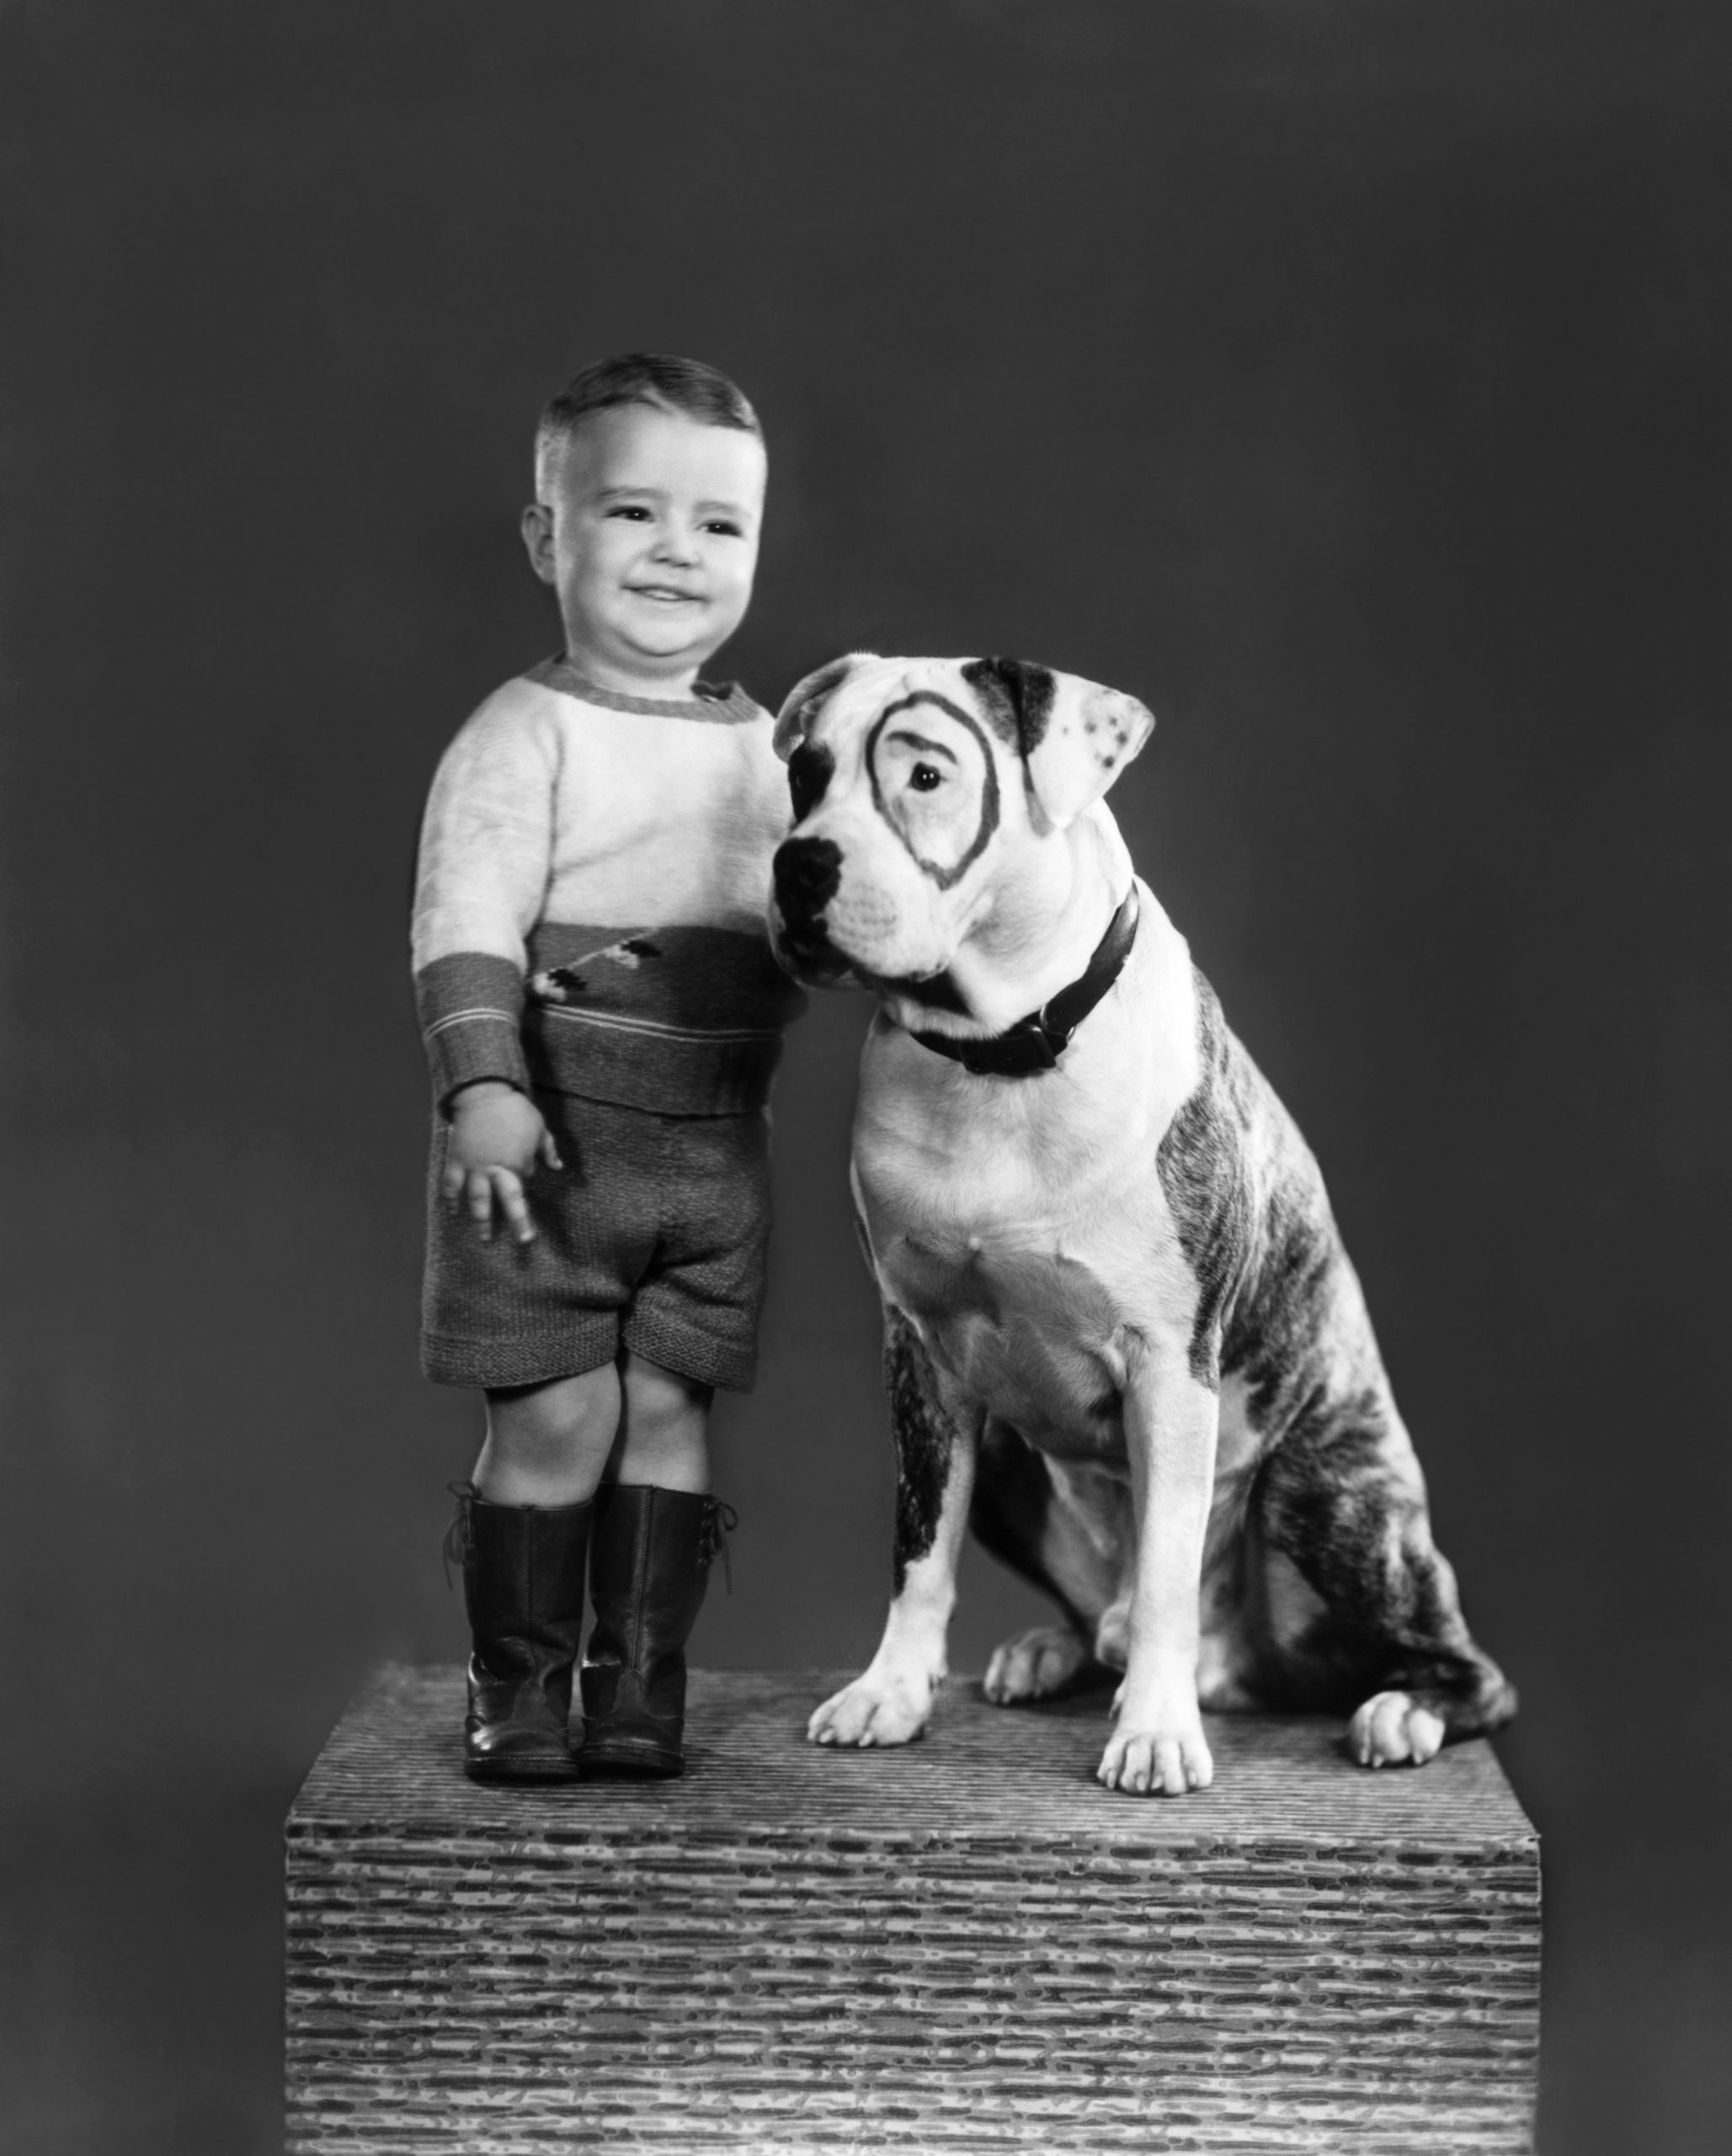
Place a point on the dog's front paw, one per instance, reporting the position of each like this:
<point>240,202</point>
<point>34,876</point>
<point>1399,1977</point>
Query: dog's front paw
<point>1034,1664</point>
<point>875,1709</point>
<point>1156,1755</point>
<point>1392,1729</point>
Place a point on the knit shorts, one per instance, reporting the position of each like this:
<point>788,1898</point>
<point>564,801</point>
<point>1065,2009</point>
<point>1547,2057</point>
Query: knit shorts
<point>652,1236</point>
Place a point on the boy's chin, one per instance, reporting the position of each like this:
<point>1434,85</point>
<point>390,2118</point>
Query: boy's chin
<point>661,662</point>
<point>673,644</point>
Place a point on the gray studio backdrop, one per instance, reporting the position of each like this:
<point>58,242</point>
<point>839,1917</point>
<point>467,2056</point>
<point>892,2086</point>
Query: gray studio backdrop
<point>1346,381</point>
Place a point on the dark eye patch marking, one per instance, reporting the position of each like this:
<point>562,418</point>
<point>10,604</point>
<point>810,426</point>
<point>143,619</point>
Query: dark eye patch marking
<point>1018,697</point>
<point>810,770</point>
<point>943,877</point>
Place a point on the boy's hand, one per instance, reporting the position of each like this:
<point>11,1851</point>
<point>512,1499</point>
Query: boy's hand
<point>497,1137</point>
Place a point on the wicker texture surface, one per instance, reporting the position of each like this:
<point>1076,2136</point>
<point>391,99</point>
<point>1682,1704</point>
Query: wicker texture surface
<point>965,1944</point>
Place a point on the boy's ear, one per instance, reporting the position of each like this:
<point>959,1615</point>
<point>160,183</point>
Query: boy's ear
<point>1075,737</point>
<point>537,525</point>
<point>805,700</point>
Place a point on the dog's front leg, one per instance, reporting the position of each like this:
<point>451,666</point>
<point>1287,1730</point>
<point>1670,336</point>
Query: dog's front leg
<point>1172,1423</point>
<point>935,1440</point>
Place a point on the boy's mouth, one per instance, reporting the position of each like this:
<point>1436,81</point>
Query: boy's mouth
<point>666,595</point>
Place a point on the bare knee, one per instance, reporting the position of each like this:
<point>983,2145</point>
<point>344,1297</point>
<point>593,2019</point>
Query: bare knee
<point>546,1445</point>
<point>665,1423</point>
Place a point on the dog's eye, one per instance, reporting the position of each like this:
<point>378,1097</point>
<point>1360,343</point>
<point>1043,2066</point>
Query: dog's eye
<point>924,777</point>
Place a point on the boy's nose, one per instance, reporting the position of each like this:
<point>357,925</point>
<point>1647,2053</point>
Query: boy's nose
<point>677,544</point>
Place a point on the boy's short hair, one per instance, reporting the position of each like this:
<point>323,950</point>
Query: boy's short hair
<point>660,379</point>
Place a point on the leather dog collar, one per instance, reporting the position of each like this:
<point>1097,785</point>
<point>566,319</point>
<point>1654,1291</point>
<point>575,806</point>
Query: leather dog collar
<point>1035,1044</point>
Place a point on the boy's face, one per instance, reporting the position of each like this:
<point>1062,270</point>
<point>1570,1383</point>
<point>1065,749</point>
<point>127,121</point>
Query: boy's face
<point>648,533</point>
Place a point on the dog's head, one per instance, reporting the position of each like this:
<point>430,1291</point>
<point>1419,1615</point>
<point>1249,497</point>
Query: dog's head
<point>916,783</point>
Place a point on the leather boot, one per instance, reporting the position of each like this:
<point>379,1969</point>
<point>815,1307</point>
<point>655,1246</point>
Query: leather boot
<point>523,1582</point>
<point>649,1564</point>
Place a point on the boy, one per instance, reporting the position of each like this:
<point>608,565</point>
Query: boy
<point>602,1014</point>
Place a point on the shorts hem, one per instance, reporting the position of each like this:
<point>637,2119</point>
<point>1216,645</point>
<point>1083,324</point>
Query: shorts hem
<point>690,1354</point>
<point>495,1365</point>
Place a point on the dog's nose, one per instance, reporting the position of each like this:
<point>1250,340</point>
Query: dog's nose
<point>807,873</point>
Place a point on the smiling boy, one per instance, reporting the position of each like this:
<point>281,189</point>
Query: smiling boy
<point>602,1016</point>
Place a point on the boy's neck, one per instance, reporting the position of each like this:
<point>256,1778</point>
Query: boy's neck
<point>671,687</point>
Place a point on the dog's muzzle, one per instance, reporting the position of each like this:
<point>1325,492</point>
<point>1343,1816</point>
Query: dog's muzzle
<point>807,873</point>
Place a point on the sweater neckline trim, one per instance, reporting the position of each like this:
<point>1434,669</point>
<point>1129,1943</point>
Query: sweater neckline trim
<point>723,702</point>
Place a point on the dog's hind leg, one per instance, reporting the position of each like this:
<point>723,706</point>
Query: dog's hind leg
<point>1030,1516</point>
<point>936,1437</point>
<point>1342,1497</point>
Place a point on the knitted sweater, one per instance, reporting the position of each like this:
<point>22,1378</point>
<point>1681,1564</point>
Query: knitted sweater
<point>589,905</point>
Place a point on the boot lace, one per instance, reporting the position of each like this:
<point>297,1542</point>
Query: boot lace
<point>460,1535</point>
<point>720,1520</point>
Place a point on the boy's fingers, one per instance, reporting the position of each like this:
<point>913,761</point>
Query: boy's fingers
<point>549,1151</point>
<point>480,1199</point>
<point>450,1183</point>
<point>512,1205</point>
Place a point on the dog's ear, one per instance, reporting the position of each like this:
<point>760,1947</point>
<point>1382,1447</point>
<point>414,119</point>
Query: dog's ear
<point>1074,736</point>
<point>802,702</point>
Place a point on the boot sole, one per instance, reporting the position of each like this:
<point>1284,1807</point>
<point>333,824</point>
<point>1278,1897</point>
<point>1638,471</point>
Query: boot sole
<point>521,1770</point>
<point>643,1762</point>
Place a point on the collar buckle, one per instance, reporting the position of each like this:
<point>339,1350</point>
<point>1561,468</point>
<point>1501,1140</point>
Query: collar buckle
<point>1034,1044</point>
<point>1025,1050</point>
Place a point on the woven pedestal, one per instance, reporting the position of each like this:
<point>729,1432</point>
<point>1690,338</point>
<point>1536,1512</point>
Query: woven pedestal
<point>965,1944</point>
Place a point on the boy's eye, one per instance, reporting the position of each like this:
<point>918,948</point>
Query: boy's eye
<point>633,510</point>
<point>924,777</point>
<point>724,525</point>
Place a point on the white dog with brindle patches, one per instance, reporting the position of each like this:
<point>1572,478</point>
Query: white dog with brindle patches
<point>1121,1335</point>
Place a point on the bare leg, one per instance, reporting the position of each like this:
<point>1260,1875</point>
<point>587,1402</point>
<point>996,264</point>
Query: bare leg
<point>664,1428</point>
<point>547,1444</point>
<point>551,1444</point>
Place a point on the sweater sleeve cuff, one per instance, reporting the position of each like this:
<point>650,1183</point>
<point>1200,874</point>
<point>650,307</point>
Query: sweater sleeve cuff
<point>469,1006</point>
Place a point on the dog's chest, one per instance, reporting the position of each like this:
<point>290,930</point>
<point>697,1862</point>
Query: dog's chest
<point>1025,1228</point>
<point>1029,1334</point>
<point>1022,1263</point>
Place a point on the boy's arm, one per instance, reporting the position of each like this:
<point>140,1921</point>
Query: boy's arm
<point>486,847</point>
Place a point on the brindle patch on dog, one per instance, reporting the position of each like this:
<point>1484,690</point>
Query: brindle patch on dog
<point>923,1441</point>
<point>1202,1164</point>
<point>1337,1491</point>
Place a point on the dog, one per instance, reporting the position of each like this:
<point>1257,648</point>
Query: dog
<point>1123,1338</point>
